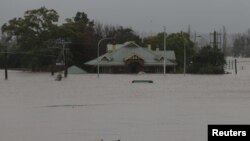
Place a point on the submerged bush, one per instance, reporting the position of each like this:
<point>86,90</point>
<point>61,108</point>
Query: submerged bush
<point>208,61</point>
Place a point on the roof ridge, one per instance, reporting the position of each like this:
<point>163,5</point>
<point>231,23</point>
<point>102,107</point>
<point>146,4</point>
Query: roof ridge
<point>131,42</point>
<point>151,52</point>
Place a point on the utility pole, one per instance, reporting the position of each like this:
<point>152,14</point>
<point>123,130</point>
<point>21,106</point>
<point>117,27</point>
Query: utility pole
<point>53,67</point>
<point>164,65</point>
<point>189,31</point>
<point>184,54</point>
<point>98,53</point>
<point>6,44</point>
<point>224,45</point>
<point>65,61</point>
<point>6,64</point>
<point>184,57</point>
<point>235,66</point>
<point>215,39</point>
<point>64,49</point>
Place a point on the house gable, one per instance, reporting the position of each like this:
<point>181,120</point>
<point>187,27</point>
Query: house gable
<point>106,58</point>
<point>133,58</point>
<point>159,58</point>
<point>131,44</point>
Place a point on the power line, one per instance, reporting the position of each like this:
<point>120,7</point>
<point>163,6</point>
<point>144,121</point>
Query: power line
<point>64,43</point>
<point>26,53</point>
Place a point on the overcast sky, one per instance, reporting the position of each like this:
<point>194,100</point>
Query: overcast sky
<point>145,16</point>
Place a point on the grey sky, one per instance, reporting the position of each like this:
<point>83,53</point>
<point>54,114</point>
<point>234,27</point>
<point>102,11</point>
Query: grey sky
<point>145,15</point>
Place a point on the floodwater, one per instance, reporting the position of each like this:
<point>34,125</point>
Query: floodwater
<point>35,107</point>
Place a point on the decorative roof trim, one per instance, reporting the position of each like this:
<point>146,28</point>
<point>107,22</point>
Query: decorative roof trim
<point>131,44</point>
<point>131,55</point>
<point>159,58</point>
<point>106,57</point>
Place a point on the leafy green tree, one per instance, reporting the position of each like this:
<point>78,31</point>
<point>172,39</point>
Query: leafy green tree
<point>120,33</point>
<point>123,35</point>
<point>175,42</point>
<point>1,55</point>
<point>155,41</point>
<point>33,29</point>
<point>32,33</point>
<point>80,32</point>
<point>208,61</point>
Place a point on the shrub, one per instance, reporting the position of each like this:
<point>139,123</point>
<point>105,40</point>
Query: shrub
<point>208,61</point>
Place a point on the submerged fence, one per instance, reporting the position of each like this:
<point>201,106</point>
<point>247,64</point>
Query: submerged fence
<point>237,65</point>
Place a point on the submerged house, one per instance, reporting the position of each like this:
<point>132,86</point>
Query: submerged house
<point>132,58</point>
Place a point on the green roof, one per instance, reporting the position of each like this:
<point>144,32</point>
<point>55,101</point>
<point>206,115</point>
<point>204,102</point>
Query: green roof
<point>76,70</point>
<point>150,58</point>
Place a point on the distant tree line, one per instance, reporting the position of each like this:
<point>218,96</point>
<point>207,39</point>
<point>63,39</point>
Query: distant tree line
<point>32,40</point>
<point>37,33</point>
<point>207,60</point>
<point>175,42</point>
<point>241,45</point>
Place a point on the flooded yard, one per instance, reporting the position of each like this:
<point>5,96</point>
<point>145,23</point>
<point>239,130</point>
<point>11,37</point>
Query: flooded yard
<point>35,107</point>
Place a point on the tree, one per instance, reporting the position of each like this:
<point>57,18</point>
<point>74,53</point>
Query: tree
<point>175,42</point>
<point>33,29</point>
<point>238,45</point>
<point>80,32</point>
<point>241,44</point>
<point>208,61</point>
<point>155,41</point>
<point>31,33</point>
<point>2,47</point>
<point>119,33</point>
<point>37,30</point>
<point>126,34</point>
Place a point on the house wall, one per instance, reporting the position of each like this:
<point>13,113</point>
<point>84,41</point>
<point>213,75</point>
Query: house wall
<point>126,69</point>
